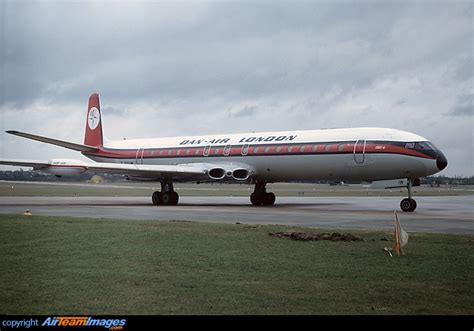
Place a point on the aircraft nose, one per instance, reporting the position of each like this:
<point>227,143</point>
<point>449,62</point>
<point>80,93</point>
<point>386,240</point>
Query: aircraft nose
<point>441,161</point>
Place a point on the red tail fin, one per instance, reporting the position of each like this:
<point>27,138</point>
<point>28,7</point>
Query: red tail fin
<point>93,135</point>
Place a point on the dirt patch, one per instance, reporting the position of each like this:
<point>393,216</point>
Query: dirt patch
<point>302,236</point>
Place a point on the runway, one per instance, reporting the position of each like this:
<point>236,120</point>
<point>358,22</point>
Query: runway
<point>434,214</point>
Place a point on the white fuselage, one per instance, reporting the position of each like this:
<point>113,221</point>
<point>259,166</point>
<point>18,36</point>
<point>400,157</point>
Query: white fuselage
<point>330,154</point>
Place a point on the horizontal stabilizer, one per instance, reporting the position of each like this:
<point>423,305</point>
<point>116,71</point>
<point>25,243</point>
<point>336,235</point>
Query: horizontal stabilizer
<point>66,144</point>
<point>35,164</point>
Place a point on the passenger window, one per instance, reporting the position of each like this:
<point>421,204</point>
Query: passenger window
<point>302,149</point>
<point>315,148</point>
<point>328,147</point>
<point>410,145</point>
<point>278,149</point>
<point>340,147</point>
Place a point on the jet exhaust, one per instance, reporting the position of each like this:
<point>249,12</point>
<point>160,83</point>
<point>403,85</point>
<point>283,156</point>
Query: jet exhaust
<point>240,174</point>
<point>216,173</point>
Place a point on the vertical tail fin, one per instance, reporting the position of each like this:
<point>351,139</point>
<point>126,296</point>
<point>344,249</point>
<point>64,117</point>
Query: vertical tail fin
<point>93,135</point>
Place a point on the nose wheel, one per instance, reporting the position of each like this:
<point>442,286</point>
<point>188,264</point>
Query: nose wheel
<point>408,204</point>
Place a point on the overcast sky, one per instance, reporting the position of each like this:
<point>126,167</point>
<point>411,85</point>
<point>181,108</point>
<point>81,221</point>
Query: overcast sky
<point>189,68</point>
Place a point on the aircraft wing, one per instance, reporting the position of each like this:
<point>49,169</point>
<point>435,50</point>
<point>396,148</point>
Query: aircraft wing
<point>139,171</point>
<point>177,172</point>
<point>151,172</point>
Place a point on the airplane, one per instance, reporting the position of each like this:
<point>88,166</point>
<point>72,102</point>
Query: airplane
<point>350,154</point>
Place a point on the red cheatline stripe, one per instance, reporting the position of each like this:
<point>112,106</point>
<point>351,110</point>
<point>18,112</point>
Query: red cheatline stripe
<point>283,149</point>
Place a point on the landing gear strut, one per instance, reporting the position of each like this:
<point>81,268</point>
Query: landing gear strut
<point>408,204</point>
<point>167,196</point>
<point>260,197</point>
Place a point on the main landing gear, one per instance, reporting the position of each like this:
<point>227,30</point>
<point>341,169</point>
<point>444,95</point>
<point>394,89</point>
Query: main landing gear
<point>260,197</point>
<point>167,196</point>
<point>409,204</point>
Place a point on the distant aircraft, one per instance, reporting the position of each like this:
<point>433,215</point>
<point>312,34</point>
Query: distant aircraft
<point>355,154</point>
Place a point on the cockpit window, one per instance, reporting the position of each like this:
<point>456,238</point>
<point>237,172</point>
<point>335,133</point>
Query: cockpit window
<point>433,147</point>
<point>424,147</point>
<point>421,146</point>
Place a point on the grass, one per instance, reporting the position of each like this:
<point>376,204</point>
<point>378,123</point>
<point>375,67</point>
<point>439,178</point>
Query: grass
<point>89,266</point>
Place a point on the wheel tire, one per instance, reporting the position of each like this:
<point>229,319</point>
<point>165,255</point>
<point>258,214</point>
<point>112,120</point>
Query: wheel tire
<point>169,198</point>
<point>156,198</point>
<point>269,199</point>
<point>256,199</point>
<point>165,198</point>
<point>174,199</point>
<point>408,205</point>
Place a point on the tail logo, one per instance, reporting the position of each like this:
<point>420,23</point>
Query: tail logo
<point>93,118</point>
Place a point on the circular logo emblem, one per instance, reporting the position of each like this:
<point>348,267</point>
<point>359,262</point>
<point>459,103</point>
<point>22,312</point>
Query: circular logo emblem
<point>93,118</point>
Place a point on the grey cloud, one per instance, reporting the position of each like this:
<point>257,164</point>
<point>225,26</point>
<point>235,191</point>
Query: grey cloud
<point>464,69</point>
<point>246,111</point>
<point>166,68</point>
<point>233,49</point>
<point>464,106</point>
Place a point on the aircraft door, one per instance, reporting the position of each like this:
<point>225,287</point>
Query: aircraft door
<point>359,151</point>
<point>139,156</point>
<point>206,150</point>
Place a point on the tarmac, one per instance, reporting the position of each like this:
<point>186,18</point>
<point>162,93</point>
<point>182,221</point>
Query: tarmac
<point>438,214</point>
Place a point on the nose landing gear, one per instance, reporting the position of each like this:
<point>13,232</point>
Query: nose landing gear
<point>409,204</point>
